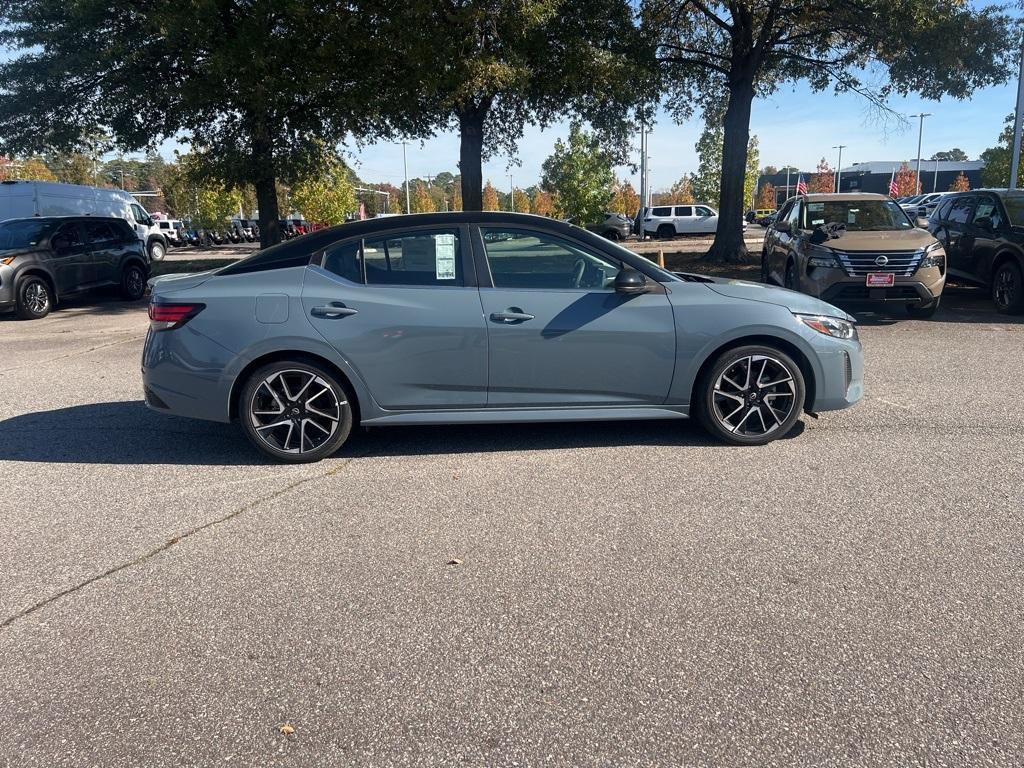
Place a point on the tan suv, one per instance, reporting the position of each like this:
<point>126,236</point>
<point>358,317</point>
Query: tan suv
<point>852,248</point>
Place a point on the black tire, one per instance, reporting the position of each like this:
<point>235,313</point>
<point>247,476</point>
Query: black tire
<point>765,277</point>
<point>157,250</point>
<point>790,280</point>
<point>133,282</point>
<point>612,235</point>
<point>666,232</point>
<point>274,441</point>
<point>758,401</point>
<point>1008,289</point>
<point>33,298</point>
<point>924,312</point>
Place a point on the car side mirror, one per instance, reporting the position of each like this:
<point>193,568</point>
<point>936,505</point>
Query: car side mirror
<point>629,280</point>
<point>922,222</point>
<point>61,243</point>
<point>783,226</point>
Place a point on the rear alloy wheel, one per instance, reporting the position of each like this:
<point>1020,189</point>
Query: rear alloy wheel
<point>923,312</point>
<point>612,235</point>
<point>157,251</point>
<point>666,232</point>
<point>1008,289</point>
<point>751,396</point>
<point>295,411</point>
<point>133,282</point>
<point>33,300</point>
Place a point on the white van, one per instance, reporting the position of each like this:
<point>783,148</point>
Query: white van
<point>23,199</point>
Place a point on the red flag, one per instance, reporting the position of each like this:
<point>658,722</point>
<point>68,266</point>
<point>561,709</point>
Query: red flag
<point>801,185</point>
<point>894,188</point>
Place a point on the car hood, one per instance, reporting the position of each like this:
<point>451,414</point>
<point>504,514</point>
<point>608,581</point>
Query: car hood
<point>798,303</point>
<point>897,240</point>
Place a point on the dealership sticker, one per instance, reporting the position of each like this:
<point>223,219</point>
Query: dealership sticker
<point>444,257</point>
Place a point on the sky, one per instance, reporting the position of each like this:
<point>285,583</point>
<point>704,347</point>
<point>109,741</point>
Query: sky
<point>794,126</point>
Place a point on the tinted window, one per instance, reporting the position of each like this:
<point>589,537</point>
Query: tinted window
<point>414,258</point>
<point>961,210</point>
<point>343,260</point>
<point>942,211</point>
<point>661,211</point>
<point>526,259</point>
<point>22,234</point>
<point>857,215</point>
<point>988,209</point>
<point>783,214</point>
<point>66,238</point>
<point>684,211</point>
<point>704,211</point>
<point>100,233</point>
<point>794,214</point>
<point>1014,205</point>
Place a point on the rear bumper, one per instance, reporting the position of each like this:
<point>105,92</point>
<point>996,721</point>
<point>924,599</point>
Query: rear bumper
<point>183,375</point>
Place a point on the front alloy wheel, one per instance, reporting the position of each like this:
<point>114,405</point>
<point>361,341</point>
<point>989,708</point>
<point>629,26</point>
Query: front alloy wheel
<point>752,395</point>
<point>33,299</point>
<point>295,412</point>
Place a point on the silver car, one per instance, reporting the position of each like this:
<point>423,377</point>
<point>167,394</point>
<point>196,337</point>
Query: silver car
<point>451,318</point>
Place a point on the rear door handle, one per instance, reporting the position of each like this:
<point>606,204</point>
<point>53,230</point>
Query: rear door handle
<point>333,311</point>
<point>510,316</point>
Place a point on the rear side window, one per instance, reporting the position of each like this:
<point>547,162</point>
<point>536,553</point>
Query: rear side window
<point>100,233</point>
<point>988,209</point>
<point>661,212</point>
<point>684,211</point>
<point>414,258</point>
<point>343,261</point>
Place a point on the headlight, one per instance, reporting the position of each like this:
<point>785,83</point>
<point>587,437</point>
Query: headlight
<point>830,326</point>
<point>821,257</point>
<point>934,256</point>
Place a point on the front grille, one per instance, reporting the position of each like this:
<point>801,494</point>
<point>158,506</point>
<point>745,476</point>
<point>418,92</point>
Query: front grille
<point>860,263</point>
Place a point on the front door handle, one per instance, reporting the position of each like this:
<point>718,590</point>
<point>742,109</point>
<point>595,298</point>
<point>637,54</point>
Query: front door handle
<point>333,311</point>
<point>510,316</point>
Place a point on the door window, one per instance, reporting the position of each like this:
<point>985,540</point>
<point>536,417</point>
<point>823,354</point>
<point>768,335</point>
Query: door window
<point>525,259</point>
<point>141,217</point>
<point>661,212</point>
<point>66,239</point>
<point>100,234</point>
<point>343,261</point>
<point>684,210</point>
<point>704,211</point>
<point>414,258</point>
<point>961,211</point>
<point>987,209</point>
<point>942,212</point>
<point>795,216</point>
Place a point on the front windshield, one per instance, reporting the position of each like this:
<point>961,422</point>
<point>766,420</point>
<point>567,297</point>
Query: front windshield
<point>22,234</point>
<point>857,215</point>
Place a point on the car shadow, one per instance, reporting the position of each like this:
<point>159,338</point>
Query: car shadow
<point>129,433</point>
<point>95,304</point>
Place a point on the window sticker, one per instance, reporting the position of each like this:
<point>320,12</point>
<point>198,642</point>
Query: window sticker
<point>816,222</point>
<point>815,207</point>
<point>444,257</point>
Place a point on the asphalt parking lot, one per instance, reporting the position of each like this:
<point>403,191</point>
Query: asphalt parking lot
<point>620,594</point>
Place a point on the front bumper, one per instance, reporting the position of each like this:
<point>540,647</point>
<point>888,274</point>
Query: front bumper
<point>837,287</point>
<point>7,297</point>
<point>840,380</point>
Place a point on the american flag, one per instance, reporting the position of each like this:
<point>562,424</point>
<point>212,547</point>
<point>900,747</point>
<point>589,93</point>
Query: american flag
<point>801,185</point>
<point>894,188</point>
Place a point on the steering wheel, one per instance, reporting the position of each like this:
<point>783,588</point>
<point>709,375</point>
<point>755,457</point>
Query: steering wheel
<point>578,270</point>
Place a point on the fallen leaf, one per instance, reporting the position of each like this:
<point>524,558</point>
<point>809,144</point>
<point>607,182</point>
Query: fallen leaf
<point>287,729</point>
<point>455,561</point>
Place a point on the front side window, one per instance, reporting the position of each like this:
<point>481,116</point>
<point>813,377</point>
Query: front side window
<point>988,209</point>
<point>684,211</point>
<point>942,212</point>
<point>66,239</point>
<point>857,215</point>
<point>961,210</point>
<point>704,211</point>
<point>414,258</point>
<point>526,259</point>
<point>99,233</point>
<point>141,217</point>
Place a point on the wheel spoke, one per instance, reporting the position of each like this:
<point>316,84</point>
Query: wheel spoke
<point>731,396</point>
<point>271,426</point>
<point>743,420</point>
<point>278,399</point>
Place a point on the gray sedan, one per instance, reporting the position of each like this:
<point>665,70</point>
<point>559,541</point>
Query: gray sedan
<point>484,317</point>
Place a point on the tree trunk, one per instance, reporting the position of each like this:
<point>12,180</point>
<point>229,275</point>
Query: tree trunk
<point>728,246</point>
<point>266,191</point>
<point>471,149</point>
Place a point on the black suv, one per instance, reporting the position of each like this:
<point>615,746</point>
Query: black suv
<point>45,259</point>
<point>983,234</point>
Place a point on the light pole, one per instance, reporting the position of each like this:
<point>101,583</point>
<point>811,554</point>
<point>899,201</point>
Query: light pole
<point>511,194</point>
<point>935,177</point>
<point>405,164</point>
<point>787,182</point>
<point>1018,119</point>
<point>920,134</point>
<point>839,169</point>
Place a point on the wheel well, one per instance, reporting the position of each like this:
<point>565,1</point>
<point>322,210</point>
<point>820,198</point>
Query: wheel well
<point>43,274</point>
<point>306,357</point>
<point>767,341</point>
<point>1001,259</point>
<point>134,260</point>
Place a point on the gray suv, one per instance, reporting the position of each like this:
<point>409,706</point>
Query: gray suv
<point>43,260</point>
<point>456,318</point>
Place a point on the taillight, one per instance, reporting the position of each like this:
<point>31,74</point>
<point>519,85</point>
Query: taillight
<point>166,317</point>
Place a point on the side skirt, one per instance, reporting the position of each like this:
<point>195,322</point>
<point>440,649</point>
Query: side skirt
<point>511,415</point>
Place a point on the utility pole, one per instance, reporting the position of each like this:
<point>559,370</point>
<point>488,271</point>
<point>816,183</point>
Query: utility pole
<point>643,166</point>
<point>405,164</point>
<point>511,194</point>
<point>787,182</point>
<point>1019,119</point>
<point>920,134</point>
<point>839,169</point>
<point>935,178</point>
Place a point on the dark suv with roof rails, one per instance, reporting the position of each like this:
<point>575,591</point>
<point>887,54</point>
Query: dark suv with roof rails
<point>983,234</point>
<point>44,259</point>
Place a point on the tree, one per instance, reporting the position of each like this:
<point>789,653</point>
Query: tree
<point>996,172</point>
<point>956,154</point>
<point>456,204</point>
<point>708,180</point>
<point>682,191</point>
<point>579,174</point>
<point>490,198</point>
<point>80,64</point>
<point>625,200</point>
<point>521,201</point>
<point>824,179</point>
<point>960,184</point>
<point>767,198</point>
<point>29,169</point>
<point>421,200</point>
<point>906,181</point>
<point>325,196</point>
<point>488,67</point>
<point>71,167</point>
<point>542,204</point>
<point>737,50</point>
<point>769,170</point>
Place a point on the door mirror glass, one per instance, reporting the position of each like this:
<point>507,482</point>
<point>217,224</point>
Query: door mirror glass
<point>922,222</point>
<point>630,281</point>
<point>782,226</point>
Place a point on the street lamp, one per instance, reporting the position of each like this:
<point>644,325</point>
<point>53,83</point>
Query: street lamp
<point>920,134</point>
<point>839,169</point>
<point>511,194</point>
<point>405,165</point>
